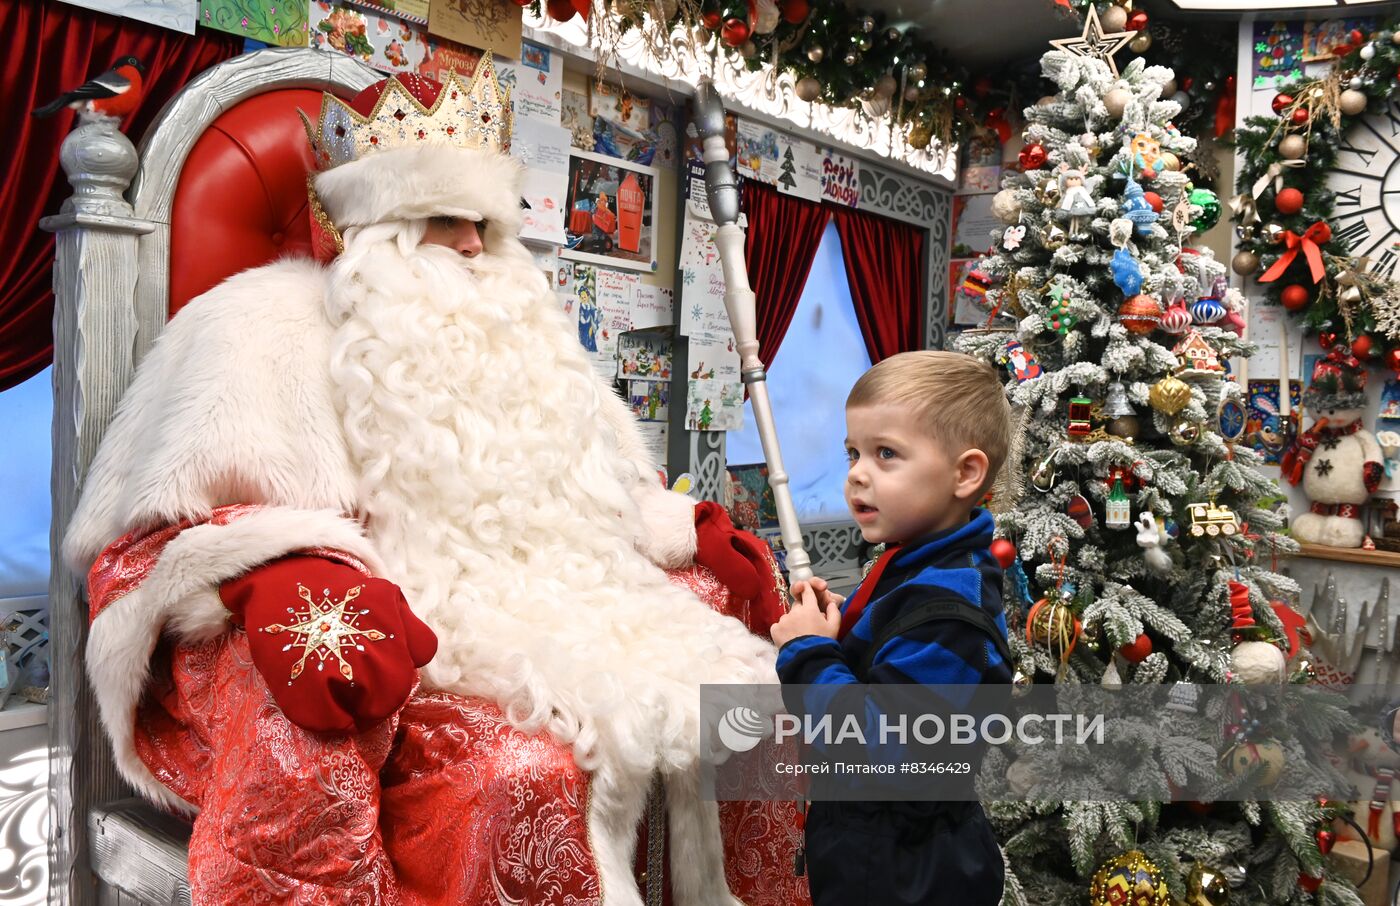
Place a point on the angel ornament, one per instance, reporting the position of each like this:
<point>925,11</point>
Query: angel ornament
<point>1076,204</point>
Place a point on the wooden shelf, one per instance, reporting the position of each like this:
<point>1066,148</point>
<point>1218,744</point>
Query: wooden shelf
<point>1350,555</point>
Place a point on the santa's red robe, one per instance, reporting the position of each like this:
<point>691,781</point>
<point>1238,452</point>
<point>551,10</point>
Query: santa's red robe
<point>444,803</point>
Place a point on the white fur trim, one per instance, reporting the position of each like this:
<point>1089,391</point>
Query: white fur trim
<point>232,405</point>
<point>415,183</point>
<point>181,594</point>
<point>668,519</point>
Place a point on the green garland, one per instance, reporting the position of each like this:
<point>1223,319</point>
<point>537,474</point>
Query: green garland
<point>837,56</point>
<point>1347,303</point>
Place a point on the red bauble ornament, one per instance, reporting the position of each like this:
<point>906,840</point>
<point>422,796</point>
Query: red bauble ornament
<point>710,20</point>
<point>522,2</point>
<point>960,102</point>
<point>1355,37</point>
<point>735,32</point>
<point>1004,552</point>
<point>1362,346</point>
<point>1281,102</point>
<point>1137,21</point>
<point>1187,82</point>
<point>1136,651</point>
<point>794,11</point>
<point>1033,156</point>
<point>982,87</point>
<point>560,10</point>
<point>1327,339</point>
<point>1309,883</point>
<point>1197,807</point>
<point>1295,297</point>
<point>1153,199</point>
<point>1325,839</point>
<point>1289,202</point>
<point>1140,314</point>
<point>1300,116</point>
<point>1392,360</point>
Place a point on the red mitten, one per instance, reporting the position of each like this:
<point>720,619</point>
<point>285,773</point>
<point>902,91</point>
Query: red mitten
<point>1371,475</point>
<point>738,559</point>
<point>339,650</point>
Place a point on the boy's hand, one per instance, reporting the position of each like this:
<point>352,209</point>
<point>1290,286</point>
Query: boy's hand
<point>817,612</point>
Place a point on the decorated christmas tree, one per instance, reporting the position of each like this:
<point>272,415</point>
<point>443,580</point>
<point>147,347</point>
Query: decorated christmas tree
<point>1139,544</point>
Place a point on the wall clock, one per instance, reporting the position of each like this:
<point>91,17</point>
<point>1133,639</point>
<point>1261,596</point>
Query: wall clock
<point>1366,185</point>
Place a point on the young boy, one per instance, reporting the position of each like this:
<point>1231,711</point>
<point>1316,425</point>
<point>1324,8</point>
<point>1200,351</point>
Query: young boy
<point>926,434</point>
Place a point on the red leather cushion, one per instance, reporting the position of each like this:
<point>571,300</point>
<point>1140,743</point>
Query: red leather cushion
<point>241,199</point>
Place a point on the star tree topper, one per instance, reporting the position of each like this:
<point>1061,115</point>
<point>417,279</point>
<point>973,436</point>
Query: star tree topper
<point>1094,42</point>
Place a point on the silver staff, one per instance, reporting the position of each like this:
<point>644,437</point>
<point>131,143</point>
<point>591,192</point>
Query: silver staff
<point>723,193</point>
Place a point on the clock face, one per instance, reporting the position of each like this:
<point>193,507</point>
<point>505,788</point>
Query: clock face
<point>1366,185</point>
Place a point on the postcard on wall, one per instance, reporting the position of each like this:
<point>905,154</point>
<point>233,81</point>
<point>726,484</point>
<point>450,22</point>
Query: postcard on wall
<point>650,401</point>
<point>652,306</point>
<point>615,298</point>
<point>749,497</point>
<point>544,149</point>
<point>800,169</point>
<point>177,15</point>
<point>610,212</point>
<point>385,42</point>
<point>840,178</point>
<point>713,356</point>
<point>1266,428</point>
<point>574,116</point>
<point>714,406</point>
<point>488,24</point>
<point>702,280</point>
<point>646,355</point>
<point>1278,52</point>
<point>758,152</point>
<point>539,86</point>
<point>1322,37</point>
<point>269,21</point>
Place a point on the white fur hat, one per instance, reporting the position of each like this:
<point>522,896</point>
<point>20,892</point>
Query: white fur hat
<point>408,148</point>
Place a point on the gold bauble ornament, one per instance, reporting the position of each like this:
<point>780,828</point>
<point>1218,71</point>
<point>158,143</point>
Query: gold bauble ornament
<point>1168,87</point>
<point>1046,101</point>
<point>1294,147</point>
<point>1266,755</point>
<point>1129,880</point>
<point>1115,18</point>
<point>808,89</point>
<point>1170,160</point>
<point>1245,263</point>
<point>1185,433</point>
<point>1206,886</point>
<point>1169,395</point>
<point>1117,101</point>
<point>920,136</point>
<point>1140,43</point>
<point>1352,102</point>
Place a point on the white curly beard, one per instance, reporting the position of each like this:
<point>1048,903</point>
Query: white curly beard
<point>501,506</point>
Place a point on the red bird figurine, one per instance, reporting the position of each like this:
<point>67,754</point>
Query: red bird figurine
<point>114,93</point>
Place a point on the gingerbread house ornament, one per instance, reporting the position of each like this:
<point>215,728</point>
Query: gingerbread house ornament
<point>1198,358</point>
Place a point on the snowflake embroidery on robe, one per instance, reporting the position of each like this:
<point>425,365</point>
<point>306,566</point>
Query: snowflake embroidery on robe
<point>325,629</point>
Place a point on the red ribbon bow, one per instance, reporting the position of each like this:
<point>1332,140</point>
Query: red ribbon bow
<point>1315,235</point>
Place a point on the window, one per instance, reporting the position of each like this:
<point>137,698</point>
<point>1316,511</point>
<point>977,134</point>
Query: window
<point>26,411</point>
<point>818,361</point>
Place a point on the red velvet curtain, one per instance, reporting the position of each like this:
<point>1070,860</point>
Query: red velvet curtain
<point>783,234</point>
<point>55,47</point>
<point>884,265</point>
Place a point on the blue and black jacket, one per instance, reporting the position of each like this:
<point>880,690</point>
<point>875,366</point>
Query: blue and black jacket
<point>928,621</point>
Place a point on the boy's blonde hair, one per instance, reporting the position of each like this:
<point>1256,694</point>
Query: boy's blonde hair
<point>958,400</point>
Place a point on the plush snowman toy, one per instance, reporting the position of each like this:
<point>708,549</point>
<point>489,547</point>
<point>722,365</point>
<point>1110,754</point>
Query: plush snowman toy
<point>1338,461</point>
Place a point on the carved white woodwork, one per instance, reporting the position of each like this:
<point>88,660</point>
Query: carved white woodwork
<point>24,821</point>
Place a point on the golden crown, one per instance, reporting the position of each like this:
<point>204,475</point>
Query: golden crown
<point>471,115</point>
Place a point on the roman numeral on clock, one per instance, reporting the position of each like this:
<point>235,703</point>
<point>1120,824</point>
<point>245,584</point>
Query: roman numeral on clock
<point>1366,156</point>
<point>1351,198</point>
<point>1353,234</point>
<point>1384,266</point>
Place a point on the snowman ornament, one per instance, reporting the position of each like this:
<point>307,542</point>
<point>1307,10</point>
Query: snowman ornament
<point>1337,460</point>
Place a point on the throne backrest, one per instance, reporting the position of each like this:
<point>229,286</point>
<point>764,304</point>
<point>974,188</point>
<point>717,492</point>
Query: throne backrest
<point>223,175</point>
<point>220,187</point>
